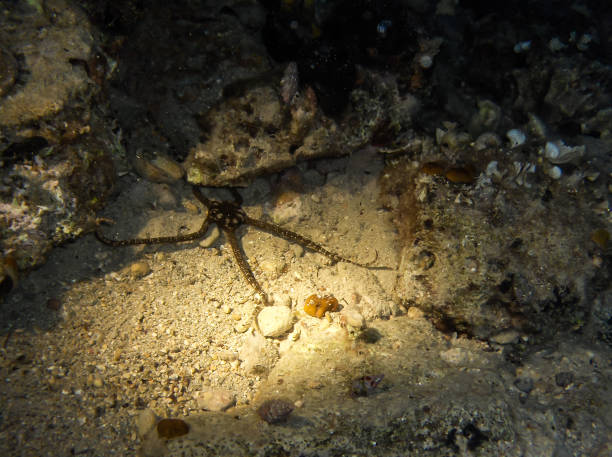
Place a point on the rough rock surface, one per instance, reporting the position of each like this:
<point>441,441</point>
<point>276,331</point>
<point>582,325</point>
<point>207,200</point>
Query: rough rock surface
<point>55,152</point>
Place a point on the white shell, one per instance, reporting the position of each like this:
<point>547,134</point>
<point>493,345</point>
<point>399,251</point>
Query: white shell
<point>551,151</point>
<point>555,44</point>
<point>516,137</point>
<point>492,169</point>
<point>555,172</point>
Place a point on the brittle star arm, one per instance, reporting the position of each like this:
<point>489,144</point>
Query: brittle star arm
<point>158,240</point>
<point>305,242</point>
<point>243,265</point>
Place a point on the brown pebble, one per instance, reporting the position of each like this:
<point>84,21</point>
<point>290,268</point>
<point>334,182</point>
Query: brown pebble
<point>172,428</point>
<point>460,175</point>
<point>275,411</point>
<point>432,168</point>
<point>54,304</point>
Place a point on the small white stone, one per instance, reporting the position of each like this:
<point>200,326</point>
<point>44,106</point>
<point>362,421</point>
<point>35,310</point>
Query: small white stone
<point>275,321</point>
<point>516,137</point>
<point>551,150</point>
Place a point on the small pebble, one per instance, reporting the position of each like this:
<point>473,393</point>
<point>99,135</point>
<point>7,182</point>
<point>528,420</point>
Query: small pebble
<point>97,381</point>
<point>242,327</point>
<point>216,399</point>
<point>415,313</point>
<point>282,300</point>
<point>455,356</point>
<point>139,269</point>
<point>172,428</point>
<point>353,318</point>
<point>505,337</point>
<point>275,321</point>
<point>297,250</point>
<point>145,422</point>
<point>169,167</point>
<point>191,207</point>
<point>273,268</point>
<point>524,384</point>
<point>564,378</point>
<point>275,411</point>
<point>54,304</point>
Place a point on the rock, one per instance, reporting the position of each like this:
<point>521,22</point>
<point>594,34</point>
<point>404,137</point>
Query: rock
<point>273,267</point>
<point>524,384</point>
<point>256,356</point>
<point>564,378</point>
<point>275,321</point>
<point>215,399</point>
<point>54,304</point>
<point>275,411</point>
<point>145,421</point>
<point>54,201</point>
<point>455,356</point>
<point>353,318</point>
<point>415,313</point>
<point>138,269</point>
<point>172,428</point>
<point>505,337</point>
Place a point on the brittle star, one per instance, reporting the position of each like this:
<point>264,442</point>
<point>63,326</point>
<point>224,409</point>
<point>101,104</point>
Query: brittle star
<point>229,216</point>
